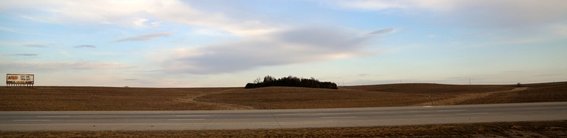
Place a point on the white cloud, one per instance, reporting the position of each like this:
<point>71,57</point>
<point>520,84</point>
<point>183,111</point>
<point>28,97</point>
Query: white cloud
<point>378,5</point>
<point>384,31</point>
<point>291,46</point>
<point>144,23</point>
<point>501,13</point>
<point>370,4</point>
<point>58,66</point>
<point>84,46</point>
<point>25,54</point>
<point>133,13</point>
<point>36,45</point>
<point>559,30</point>
<point>501,22</point>
<point>144,37</point>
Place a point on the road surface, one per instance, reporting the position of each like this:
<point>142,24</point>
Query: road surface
<point>269,119</point>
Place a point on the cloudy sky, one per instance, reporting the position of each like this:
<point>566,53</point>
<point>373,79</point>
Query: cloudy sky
<point>175,43</point>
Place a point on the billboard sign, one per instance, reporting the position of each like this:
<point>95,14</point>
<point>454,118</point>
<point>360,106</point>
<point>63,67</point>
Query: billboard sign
<point>19,79</point>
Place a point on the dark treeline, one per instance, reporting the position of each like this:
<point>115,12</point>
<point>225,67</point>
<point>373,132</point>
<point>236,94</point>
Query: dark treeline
<point>291,81</point>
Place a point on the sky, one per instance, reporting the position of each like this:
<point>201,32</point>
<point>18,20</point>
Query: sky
<point>218,43</point>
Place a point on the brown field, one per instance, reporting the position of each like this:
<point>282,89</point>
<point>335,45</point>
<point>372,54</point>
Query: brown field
<point>104,98</point>
<point>387,95</point>
<point>544,92</point>
<point>290,98</point>
<point>353,96</point>
<point>113,98</point>
<point>510,129</point>
<point>425,88</point>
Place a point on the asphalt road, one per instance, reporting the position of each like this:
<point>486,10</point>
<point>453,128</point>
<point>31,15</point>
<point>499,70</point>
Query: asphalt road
<point>268,119</point>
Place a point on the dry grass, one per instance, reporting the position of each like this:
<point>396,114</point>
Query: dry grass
<point>103,98</point>
<point>109,98</point>
<point>425,88</point>
<point>291,98</point>
<point>353,96</point>
<point>513,129</point>
<point>545,92</point>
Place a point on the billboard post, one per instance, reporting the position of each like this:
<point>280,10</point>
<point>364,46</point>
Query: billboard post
<point>19,79</point>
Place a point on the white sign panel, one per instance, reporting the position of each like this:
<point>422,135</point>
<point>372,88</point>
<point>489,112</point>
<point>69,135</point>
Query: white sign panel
<point>19,79</point>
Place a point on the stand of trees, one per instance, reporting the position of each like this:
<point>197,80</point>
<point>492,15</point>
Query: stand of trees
<point>291,81</point>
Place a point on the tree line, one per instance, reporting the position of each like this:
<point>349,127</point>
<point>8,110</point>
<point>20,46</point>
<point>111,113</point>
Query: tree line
<point>290,81</point>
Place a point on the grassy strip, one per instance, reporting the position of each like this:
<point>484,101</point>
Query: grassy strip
<point>509,129</point>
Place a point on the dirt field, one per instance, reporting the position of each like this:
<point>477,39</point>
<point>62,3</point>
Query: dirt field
<point>514,129</point>
<point>548,92</point>
<point>289,98</point>
<point>425,88</point>
<point>112,98</point>
<point>389,95</point>
<point>353,96</point>
<point>105,98</point>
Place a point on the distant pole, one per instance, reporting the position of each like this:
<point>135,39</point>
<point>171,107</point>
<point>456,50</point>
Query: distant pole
<point>469,81</point>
